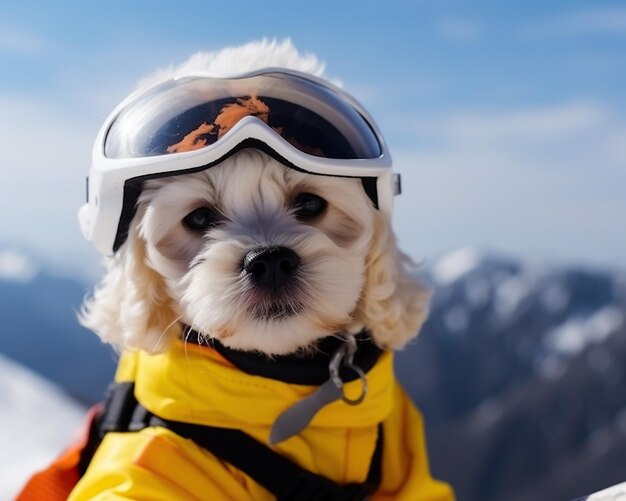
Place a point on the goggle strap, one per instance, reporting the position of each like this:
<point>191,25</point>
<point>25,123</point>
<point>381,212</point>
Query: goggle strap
<point>397,184</point>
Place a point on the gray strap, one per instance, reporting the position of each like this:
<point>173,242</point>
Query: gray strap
<point>297,417</point>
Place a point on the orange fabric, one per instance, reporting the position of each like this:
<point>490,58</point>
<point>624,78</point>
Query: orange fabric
<point>57,480</point>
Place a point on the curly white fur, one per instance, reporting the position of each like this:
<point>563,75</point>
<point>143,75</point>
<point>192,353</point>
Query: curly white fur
<point>130,308</point>
<point>252,56</point>
<point>394,304</point>
<point>352,276</point>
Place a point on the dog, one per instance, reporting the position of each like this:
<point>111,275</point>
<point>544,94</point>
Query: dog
<point>266,262</point>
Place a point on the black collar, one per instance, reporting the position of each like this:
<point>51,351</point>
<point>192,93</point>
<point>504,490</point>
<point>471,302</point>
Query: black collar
<point>310,368</point>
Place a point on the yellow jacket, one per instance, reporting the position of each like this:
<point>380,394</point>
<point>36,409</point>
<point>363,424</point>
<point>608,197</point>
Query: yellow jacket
<point>195,384</point>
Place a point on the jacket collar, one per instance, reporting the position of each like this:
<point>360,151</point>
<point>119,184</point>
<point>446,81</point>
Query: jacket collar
<point>309,368</point>
<point>198,384</point>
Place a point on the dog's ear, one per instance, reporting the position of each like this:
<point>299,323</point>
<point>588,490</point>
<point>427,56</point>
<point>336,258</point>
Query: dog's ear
<point>394,304</point>
<point>131,308</point>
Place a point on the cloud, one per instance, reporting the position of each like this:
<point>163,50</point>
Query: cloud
<point>545,181</point>
<point>20,42</point>
<point>594,21</point>
<point>45,158</point>
<point>16,267</point>
<point>530,124</point>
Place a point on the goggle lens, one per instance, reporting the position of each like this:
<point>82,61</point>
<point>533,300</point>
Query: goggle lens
<point>192,113</point>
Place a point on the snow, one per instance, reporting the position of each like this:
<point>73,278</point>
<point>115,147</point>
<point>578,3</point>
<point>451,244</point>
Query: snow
<point>615,493</point>
<point>510,293</point>
<point>455,265</point>
<point>555,297</point>
<point>456,319</point>
<point>488,413</point>
<point>575,334</point>
<point>477,291</point>
<point>16,267</point>
<point>37,421</point>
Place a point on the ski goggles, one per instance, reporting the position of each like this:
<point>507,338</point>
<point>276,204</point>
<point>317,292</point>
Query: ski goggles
<point>192,123</point>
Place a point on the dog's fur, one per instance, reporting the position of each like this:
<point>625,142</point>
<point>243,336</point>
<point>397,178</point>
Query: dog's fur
<point>352,275</point>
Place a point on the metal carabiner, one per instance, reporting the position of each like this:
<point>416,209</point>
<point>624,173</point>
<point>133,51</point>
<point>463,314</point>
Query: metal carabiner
<point>345,354</point>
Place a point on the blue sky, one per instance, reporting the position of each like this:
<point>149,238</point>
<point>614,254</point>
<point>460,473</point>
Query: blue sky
<point>507,120</point>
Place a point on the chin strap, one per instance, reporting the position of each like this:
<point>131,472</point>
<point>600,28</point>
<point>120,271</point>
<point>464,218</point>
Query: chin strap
<point>297,417</point>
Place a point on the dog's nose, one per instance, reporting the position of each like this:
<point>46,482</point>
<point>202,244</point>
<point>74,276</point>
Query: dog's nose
<point>271,267</point>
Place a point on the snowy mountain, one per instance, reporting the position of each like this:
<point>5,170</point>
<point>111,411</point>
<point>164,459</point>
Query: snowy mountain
<point>519,372</point>
<point>40,330</point>
<point>37,420</point>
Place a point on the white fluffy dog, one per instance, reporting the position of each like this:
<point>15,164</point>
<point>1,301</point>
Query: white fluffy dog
<point>268,260</point>
<point>350,274</point>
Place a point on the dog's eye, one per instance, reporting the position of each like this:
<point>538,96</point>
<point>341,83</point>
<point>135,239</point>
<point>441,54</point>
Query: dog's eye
<point>308,205</point>
<point>201,219</point>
